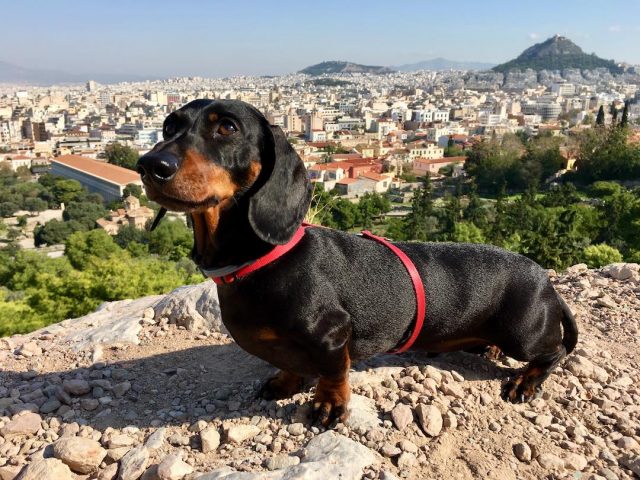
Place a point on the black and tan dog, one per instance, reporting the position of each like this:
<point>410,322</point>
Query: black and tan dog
<point>336,298</point>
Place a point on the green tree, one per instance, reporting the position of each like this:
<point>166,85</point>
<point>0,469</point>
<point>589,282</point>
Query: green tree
<point>55,232</point>
<point>600,116</point>
<point>84,213</point>
<point>7,209</point>
<point>467,232</point>
<point>121,155</point>
<point>35,205</point>
<point>82,247</point>
<point>421,222</point>
<point>597,256</point>
<point>132,189</point>
<point>171,239</point>
<point>67,191</point>
<point>625,115</point>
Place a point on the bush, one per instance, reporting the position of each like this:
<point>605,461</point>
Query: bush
<point>599,255</point>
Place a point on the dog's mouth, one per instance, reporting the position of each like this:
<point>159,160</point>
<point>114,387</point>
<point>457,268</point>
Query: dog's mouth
<point>180,204</point>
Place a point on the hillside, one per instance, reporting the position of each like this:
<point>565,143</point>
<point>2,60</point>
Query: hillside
<point>155,388</point>
<point>556,53</point>
<point>342,67</point>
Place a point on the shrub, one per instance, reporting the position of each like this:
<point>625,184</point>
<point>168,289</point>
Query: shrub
<point>599,255</point>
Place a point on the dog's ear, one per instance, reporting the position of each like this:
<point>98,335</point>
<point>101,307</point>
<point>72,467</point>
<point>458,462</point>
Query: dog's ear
<point>279,206</point>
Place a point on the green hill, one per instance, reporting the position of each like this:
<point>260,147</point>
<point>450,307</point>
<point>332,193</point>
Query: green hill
<point>342,67</point>
<point>557,53</point>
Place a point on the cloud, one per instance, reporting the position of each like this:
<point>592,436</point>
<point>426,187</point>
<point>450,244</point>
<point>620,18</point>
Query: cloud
<point>534,35</point>
<point>615,28</point>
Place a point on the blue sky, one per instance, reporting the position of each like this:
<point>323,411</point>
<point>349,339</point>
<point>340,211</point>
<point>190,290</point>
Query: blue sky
<point>212,38</point>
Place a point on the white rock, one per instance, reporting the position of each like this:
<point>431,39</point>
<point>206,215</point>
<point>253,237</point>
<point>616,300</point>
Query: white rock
<point>430,419</point>
<point>82,455</point>
<point>281,461</point>
<point>362,413</point>
<point>240,433</point>
<point>550,461</point>
<point>575,461</point>
<point>620,271</point>
<point>402,416</point>
<point>210,439</point>
<point>173,468</point>
<point>26,423</point>
<point>133,464</point>
<point>194,307</point>
<point>47,468</point>
<point>156,439</point>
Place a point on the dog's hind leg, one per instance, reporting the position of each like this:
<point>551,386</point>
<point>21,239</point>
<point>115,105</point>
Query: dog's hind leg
<point>524,386</point>
<point>283,385</point>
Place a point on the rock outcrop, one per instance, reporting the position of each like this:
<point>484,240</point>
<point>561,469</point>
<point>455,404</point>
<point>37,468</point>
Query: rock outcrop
<point>154,388</point>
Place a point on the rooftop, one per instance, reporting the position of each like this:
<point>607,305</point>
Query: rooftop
<point>103,170</point>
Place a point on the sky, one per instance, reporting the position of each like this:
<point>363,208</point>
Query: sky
<point>236,37</point>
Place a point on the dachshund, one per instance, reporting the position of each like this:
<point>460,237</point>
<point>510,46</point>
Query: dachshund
<point>335,298</point>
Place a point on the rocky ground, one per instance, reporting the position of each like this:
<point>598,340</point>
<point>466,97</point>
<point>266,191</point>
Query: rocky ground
<point>154,389</point>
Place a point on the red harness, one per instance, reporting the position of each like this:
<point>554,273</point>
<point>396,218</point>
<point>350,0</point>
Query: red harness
<point>281,250</point>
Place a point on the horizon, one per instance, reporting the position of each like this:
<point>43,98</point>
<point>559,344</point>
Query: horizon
<point>144,39</point>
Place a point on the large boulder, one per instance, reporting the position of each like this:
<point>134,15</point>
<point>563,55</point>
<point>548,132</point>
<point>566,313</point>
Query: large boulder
<point>194,307</point>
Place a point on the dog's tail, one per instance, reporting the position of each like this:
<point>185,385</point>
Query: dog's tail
<point>570,335</point>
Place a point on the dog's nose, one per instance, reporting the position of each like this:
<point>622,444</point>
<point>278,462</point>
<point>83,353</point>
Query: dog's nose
<point>160,166</point>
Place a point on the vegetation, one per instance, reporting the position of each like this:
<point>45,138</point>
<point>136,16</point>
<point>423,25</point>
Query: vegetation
<point>37,290</point>
<point>121,155</point>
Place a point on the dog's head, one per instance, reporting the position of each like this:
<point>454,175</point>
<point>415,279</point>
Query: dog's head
<point>217,154</point>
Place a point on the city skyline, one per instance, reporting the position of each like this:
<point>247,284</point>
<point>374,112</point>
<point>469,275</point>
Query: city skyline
<point>216,40</point>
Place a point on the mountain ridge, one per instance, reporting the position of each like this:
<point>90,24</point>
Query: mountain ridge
<point>440,63</point>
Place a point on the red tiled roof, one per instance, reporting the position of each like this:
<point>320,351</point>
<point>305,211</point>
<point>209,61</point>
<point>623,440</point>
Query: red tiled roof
<point>106,171</point>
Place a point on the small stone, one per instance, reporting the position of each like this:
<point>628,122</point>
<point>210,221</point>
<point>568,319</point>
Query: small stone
<point>575,461</point>
<point>452,389</point>
<point>522,452</point>
<point>134,463</point>
<point>406,461</point>
<point>402,416</point>
<point>543,420</point>
<point>450,421</point>
<point>156,439</point>
<point>296,429</point>
<point>47,468</point>
<point>430,419</point>
<point>173,468</point>
<point>240,433</point>
<point>389,450</point>
<point>29,349</point>
<point>120,440</point>
<point>76,386</point>
<point>408,446</point>
<point>210,439</point>
<point>109,472</point>
<point>551,461</point>
<point>281,461</point>
<point>89,404</point>
<point>82,455</point>
<point>121,388</point>
<point>627,443</point>
<point>50,405</point>
<point>27,423</point>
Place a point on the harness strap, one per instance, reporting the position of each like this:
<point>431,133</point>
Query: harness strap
<point>418,287</point>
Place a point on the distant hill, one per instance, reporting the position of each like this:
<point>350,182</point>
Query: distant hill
<point>557,53</point>
<point>343,67</point>
<point>443,64</point>
<point>10,73</point>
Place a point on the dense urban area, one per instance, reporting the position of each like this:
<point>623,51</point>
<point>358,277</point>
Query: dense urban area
<point>545,163</point>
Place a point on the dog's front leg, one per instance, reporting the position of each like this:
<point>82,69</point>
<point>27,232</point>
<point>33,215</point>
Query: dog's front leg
<point>331,400</point>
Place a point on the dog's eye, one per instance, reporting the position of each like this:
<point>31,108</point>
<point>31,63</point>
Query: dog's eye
<point>169,130</point>
<point>226,128</point>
